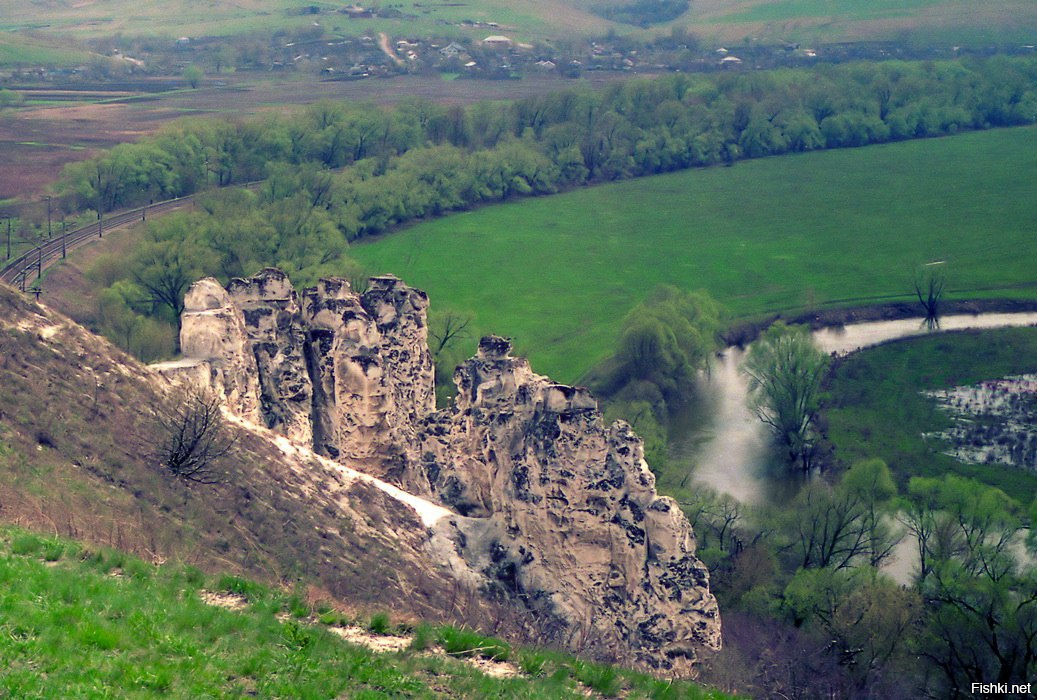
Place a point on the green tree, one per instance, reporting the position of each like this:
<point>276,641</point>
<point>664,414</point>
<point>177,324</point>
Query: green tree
<point>981,597</point>
<point>867,617</point>
<point>842,526</point>
<point>165,264</point>
<point>193,75</point>
<point>785,372</point>
<point>666,339</point>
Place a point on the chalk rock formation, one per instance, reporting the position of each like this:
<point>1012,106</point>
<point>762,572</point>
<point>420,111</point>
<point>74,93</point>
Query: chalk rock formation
<point>564,516</point>
<point>372,370</point>
<point>212,328</point>
<point>556,512</point>
<point>269,309</point>
<point>348,374</point>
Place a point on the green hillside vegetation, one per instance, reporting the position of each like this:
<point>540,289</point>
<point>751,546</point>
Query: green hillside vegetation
<point>336,173</point>
<point>835,228</point>
<point>18,49</point>
<point>84,622</point>
<point>819,21</point>
<point>193,18</point>
<point>955,21</point>
<point>875,406</point>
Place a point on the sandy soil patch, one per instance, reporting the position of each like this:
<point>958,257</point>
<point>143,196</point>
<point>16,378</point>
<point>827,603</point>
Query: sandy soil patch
<point>228,601</point>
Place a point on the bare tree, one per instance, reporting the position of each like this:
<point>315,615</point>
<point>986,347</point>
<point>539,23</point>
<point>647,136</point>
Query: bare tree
<point>447,328</point>
<point>929,284</point>
<point>194,437</point>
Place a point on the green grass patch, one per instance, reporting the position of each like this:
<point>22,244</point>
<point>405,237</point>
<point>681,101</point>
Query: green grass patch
<point>100,623</point>
<point>22,50</point>
<point>845,227</point>
<point>875,406</point>
<point>845,10</point>
<point>460,641</point>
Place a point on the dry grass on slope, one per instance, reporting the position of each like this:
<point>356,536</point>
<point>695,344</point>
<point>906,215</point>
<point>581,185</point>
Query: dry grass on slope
<point>77,421</point>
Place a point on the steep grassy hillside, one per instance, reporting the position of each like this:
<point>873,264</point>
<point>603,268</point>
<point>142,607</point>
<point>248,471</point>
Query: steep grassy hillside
<point>85,622</point>
<point>793,233</point>
<point>78,437</point>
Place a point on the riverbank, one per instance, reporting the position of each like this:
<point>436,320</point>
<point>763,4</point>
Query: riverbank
<point>875,407</point>
<point>744,332</point>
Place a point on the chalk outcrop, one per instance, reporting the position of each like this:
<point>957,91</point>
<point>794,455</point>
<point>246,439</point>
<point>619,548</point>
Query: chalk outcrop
<point>555,511</point>
<point>347,374</point>
<point>573,526</point>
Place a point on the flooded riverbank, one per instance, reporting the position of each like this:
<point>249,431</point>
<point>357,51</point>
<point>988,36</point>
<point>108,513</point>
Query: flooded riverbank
<point>724,446</point>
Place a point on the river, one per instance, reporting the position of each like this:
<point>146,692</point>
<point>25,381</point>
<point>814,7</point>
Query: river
<point>726,447</point>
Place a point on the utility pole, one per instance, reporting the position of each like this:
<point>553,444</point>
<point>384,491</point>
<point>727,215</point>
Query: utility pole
<point>49,234</point>
<point>63,233</point>
<point>8,236</point>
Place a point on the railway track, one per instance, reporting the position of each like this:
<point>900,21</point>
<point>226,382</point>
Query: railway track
<point>25,271</point>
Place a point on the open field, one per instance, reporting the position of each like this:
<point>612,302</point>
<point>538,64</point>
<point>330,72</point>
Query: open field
<point>846,227</point>
<point>825,21</point>
<point>812,21</point>
<point>875,406</point>
<point>68,125</point>
<point>36,50</point>
<point>533,19</point>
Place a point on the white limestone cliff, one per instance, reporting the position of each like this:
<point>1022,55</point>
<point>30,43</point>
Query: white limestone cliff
<point>555,512</point>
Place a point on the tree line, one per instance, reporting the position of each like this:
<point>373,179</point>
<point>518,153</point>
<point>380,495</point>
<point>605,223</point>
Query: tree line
<point>336,172</point>
<point>568,138</point>
<point>807,578</point>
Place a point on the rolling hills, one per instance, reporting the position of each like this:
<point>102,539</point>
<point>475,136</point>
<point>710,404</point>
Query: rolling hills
<point>804,21</point>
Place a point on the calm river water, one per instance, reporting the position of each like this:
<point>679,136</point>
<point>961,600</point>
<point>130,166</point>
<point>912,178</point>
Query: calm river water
<point>725,445</point>
<point>728,449</point>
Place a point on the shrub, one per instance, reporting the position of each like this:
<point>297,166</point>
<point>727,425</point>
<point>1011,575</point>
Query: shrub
<point>603,679</point>
<point>26,544</point>
<point>249,590</point>
<point>467,642</point>
<point>424,637</point>
<point>379,623</point>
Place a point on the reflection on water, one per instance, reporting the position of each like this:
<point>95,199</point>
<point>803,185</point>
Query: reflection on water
<point>844,339</point>
<point>725,446</point>
<point>721,440</point>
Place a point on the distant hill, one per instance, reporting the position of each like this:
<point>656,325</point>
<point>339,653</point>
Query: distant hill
<point>805,21</point>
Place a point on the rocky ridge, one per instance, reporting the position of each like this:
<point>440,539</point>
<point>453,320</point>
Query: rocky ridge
<point>556,513</point>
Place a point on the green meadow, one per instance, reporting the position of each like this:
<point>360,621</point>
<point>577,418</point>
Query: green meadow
<point>875,406</point>
<point>535,19</point>
<point>20,50</point>
<point>833,228</point>
<point>83,623</point>
<point>844,9</point>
